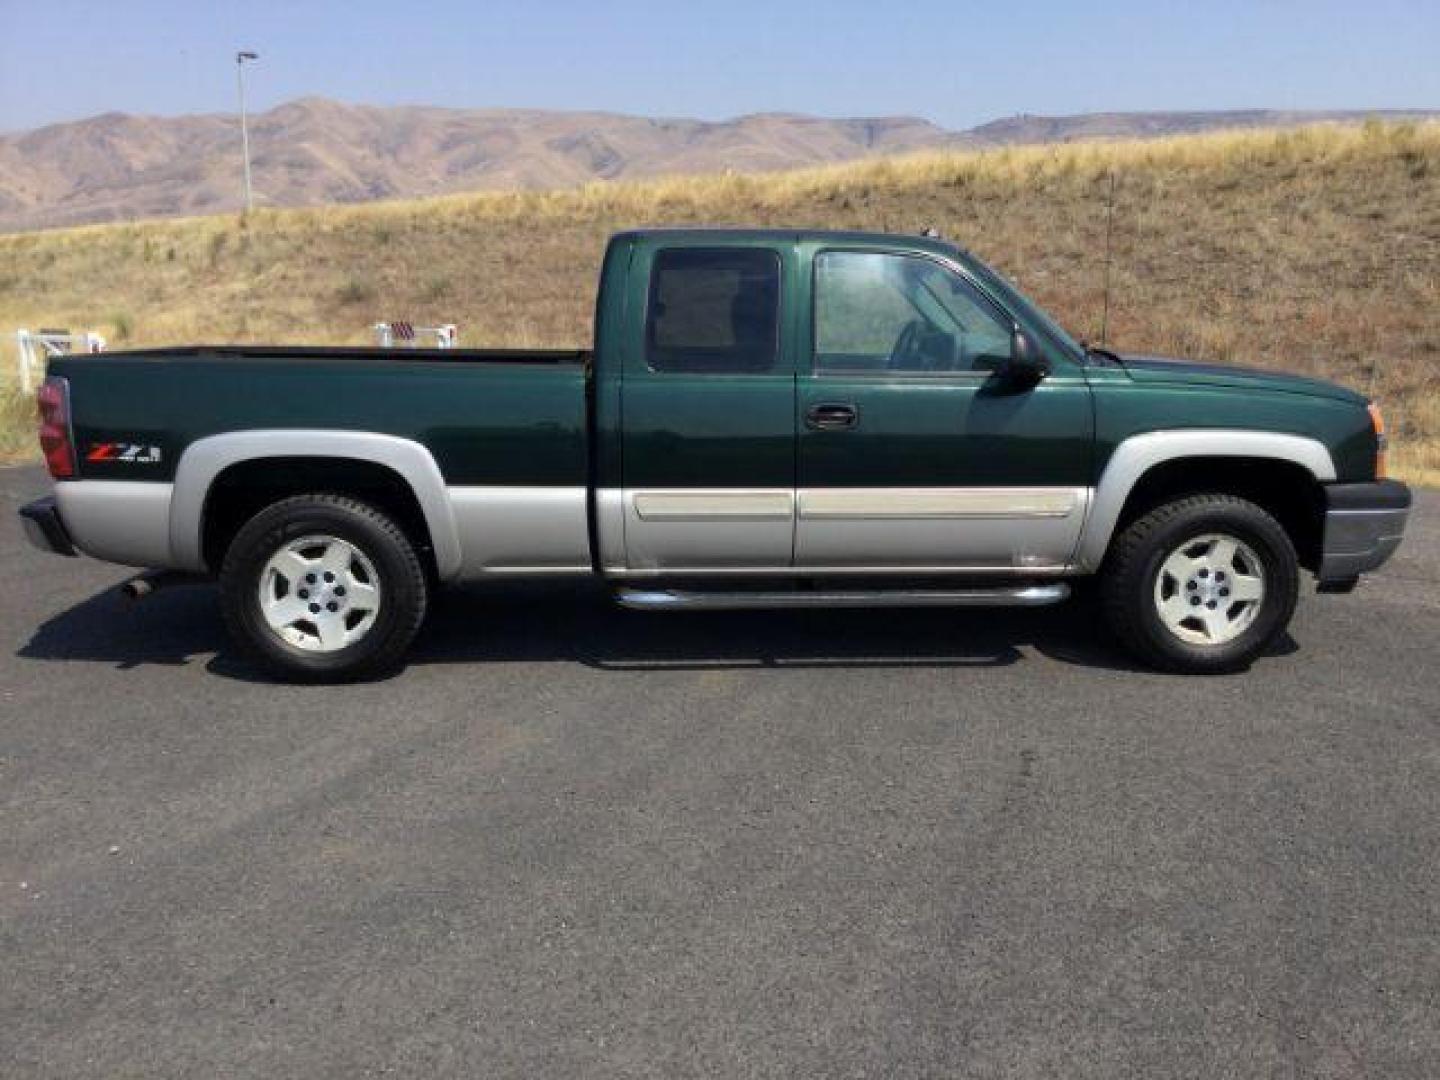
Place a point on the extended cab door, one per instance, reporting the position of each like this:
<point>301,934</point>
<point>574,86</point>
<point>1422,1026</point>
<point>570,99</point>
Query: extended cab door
<point>707,405</point>
<point>913,454</point>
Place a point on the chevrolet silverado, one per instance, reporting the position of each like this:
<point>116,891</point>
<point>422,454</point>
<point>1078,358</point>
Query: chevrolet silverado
<point>767,419</point>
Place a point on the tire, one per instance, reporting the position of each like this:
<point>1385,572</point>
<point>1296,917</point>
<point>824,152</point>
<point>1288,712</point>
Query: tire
<point>323,588</point>
<point>1176,597</point>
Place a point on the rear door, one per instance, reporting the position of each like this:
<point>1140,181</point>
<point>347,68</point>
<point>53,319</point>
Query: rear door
<point>912,454</point>
<point>708,407</point>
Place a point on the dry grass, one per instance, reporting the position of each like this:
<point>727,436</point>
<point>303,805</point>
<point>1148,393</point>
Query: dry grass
<point>1314,250</point>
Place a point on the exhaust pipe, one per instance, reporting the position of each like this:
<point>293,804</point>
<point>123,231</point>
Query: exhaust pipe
<point>142,585</point>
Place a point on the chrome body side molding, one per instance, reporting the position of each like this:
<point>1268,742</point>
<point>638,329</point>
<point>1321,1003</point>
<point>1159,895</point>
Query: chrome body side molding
<point>1140,453</point>
<point>717,505</point>
<point>205,459</point>
<point>119,521</point>
<point>888,504</point>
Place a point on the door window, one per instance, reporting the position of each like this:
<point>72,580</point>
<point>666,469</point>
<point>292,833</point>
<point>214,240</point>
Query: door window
<point>878,312</point>
<point>714,311</point>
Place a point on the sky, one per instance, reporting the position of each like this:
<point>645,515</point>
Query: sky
<point>955,62</point>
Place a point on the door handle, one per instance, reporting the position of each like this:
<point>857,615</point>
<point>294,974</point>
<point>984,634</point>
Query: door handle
<point>831,416</point>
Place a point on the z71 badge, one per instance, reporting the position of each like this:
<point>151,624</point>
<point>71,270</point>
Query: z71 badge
<point>128,453</point>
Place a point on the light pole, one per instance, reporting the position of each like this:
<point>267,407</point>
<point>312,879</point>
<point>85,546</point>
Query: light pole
<point>240,58</point>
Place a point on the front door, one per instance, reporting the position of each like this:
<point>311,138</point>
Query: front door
<point>912,454</point>
<point>708,405</point>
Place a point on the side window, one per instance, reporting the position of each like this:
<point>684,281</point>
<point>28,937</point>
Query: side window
<point>876,312</point>
<point>714,311</point>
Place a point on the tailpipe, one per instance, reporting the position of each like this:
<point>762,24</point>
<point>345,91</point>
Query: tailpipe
<point>152,581</point>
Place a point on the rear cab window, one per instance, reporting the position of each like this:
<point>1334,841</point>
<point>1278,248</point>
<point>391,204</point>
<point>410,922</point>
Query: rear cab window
<point>713,311</point>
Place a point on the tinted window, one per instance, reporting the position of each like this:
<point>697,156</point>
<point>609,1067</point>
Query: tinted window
<point>876,312</point>
<point>714,311</point>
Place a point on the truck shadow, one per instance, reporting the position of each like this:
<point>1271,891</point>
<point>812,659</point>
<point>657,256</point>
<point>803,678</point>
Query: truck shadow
<point>578,623</point>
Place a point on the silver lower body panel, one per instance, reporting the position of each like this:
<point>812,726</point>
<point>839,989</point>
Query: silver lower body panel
<point>1005,529</point>
<point>987,530</point>
<point>521,530</point>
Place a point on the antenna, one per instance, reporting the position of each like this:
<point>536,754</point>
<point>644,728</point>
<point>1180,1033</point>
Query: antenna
<point>1109,228</point>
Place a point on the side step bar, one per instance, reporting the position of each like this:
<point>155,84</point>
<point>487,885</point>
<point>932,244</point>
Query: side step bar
<point>739,600</point>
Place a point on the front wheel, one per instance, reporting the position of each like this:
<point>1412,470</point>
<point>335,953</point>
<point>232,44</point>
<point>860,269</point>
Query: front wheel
<point>1202,585</point>
<point>323,588</point>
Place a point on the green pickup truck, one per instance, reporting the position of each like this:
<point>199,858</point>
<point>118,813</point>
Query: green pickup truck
<point>769,418</point>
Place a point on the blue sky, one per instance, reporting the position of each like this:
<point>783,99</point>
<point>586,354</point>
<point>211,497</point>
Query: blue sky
<point>956,62</point>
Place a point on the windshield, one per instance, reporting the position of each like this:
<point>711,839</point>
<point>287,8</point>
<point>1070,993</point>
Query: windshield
<point>1019,303</point>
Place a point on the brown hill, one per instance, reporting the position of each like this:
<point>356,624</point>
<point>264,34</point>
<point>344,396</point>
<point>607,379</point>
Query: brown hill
<point>314,151</point>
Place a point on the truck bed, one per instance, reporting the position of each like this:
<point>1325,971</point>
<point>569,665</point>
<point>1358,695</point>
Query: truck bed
<point>488,416</point>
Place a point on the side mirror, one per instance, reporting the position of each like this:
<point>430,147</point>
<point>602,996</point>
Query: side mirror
<point>1027,364</point>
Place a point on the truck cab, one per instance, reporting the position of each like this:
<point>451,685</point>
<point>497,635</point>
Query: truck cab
<point>829,404</point>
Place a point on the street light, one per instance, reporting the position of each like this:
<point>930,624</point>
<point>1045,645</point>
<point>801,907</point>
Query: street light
<point>240,58</point>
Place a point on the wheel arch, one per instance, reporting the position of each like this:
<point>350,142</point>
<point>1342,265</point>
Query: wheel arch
<point>400,470</point>
<point>1281,472</point>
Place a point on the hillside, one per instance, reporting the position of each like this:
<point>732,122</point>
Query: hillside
<point>1315,250</point>
<point>314,152</point>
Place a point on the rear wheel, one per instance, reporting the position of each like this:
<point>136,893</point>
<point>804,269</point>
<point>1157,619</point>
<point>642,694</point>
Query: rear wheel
<point>323,588</point>
<point>1201,585</point>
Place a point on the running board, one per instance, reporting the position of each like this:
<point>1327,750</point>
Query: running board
<point>739,600</point>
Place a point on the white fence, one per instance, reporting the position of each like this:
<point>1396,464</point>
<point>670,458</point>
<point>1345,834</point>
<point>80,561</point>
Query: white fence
<point>38,346</point>
<point>406,335</point>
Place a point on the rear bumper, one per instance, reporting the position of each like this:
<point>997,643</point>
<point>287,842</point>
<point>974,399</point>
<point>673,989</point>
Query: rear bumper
<point>44,528</point>
<point>1364,524</point>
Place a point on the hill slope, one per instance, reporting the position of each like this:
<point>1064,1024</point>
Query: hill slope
<point>1316,250</point>
<point>314,151</point>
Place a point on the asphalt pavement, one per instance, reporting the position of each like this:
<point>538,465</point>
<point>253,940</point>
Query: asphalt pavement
<point>571,841</point>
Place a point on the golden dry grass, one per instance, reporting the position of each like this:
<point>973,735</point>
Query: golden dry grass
<point>1314,250</point>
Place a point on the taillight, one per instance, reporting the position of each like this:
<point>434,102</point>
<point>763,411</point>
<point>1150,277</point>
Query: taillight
<point>1382,441</point>
<point>53,399</point>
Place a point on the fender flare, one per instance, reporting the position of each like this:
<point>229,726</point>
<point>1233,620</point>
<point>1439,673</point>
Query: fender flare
<point>1137,455</point>
<point>205,459</point>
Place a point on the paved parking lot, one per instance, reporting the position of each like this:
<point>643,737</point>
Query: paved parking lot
<point>574,841</point>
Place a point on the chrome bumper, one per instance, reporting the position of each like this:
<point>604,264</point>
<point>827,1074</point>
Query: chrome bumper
<point>44,529</point>
<point>1364,524</point>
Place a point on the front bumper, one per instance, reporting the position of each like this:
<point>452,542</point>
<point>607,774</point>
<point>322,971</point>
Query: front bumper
<point>1363,526</point>
<point>44,529</point>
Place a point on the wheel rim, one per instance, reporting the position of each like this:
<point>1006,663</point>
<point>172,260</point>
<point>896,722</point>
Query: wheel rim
<point>319,593</point>
<point>1210,589</point>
